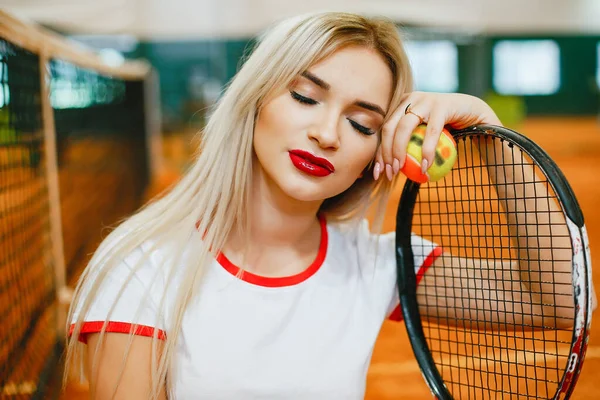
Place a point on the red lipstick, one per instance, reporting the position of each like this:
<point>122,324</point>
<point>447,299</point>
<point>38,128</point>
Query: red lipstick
<point>311,164</point>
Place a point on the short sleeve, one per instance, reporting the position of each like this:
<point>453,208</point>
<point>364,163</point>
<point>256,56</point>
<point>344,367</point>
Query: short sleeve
<point>133,287</point>
<point>382,249</point>
<point>425,253</point>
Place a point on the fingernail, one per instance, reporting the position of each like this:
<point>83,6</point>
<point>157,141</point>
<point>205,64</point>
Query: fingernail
<point>424,166</point>
<point>396,166</point>
<point>402,161</point>
<point>388,171</point>
<point>376,171</point>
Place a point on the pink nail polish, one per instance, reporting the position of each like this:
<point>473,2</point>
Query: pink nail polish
<point>388,171</point>
<point>402,161</point>
<point>376,171</point>
<point>396,166</point>
<point>424,165</point>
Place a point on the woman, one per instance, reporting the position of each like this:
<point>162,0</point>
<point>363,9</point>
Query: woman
<point>256,275</point>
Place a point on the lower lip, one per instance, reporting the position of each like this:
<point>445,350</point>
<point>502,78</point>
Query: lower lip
<point>307,167</point>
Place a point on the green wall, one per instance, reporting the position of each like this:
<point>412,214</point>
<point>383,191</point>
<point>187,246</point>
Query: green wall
<point>578,93</point>
<point>180,64</point>
<point>219,59</point>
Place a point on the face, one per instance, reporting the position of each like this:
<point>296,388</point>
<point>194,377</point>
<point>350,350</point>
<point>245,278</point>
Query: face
<point>315,138</point>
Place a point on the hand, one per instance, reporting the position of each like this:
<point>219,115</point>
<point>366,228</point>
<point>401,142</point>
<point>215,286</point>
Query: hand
<point>436,110</point>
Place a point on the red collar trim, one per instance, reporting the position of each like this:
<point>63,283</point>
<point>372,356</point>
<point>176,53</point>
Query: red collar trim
<point>283,281</point>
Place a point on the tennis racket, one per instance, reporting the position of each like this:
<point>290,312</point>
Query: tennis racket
<point>505,311</point>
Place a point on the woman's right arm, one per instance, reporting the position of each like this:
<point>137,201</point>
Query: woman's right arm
<point>134,380</point>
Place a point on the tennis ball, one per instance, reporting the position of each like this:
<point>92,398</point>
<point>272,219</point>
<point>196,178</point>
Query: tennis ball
<point>445,157</point>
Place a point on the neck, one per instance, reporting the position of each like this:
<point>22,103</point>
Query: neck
<point>279,224</point>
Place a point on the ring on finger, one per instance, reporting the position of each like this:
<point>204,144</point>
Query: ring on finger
<point>408,110</point>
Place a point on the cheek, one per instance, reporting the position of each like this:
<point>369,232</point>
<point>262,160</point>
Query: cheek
<point>264,124</point>
<point>266,131</point>
<point>361,154</point>
<point>275,118</point>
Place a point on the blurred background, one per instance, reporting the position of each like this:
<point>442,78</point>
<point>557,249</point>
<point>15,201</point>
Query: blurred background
<point>100,102</point>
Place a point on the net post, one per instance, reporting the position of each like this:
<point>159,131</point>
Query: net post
<point>63,295</point>
<point>153,128</point>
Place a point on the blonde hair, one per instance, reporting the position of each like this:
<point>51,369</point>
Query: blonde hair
<point>212,195</point>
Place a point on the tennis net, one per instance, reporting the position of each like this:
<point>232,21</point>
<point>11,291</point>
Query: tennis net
<point>76,140</point>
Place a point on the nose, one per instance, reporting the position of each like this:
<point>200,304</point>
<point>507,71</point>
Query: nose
<point>326,134</point>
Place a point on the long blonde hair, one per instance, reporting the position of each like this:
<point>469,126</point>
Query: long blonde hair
<point>212,195</point>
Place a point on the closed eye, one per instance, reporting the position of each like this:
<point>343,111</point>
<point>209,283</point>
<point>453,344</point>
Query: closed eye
<point>307,100</point>
<point>302,99</point>
<point>362,129</point>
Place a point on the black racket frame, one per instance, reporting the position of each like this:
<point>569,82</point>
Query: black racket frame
<point>407,282</point>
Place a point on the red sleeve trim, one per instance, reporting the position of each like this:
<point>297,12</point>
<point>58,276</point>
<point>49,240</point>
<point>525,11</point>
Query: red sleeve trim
<point>396,315</point>
<point>115,327</point>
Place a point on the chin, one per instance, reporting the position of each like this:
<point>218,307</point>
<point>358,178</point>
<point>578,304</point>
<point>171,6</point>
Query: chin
<point>306,188</point>
<point>305,191</point>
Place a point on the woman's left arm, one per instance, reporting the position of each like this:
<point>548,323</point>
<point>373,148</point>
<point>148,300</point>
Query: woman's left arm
<point>498,292</point>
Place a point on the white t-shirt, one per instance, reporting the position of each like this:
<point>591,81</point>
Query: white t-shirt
<point>307,336</point>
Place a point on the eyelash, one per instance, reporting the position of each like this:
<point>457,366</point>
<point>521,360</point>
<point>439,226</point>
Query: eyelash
<point>306,100</point>
<point>302,99</point>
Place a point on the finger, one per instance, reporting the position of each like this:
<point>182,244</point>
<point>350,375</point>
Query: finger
<point>390,128</point>
<point>378,168</point>
<point>405,127</point>
<point>388,132</point>
<point>432,136</point>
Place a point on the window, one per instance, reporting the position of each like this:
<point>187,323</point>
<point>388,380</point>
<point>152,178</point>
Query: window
<point>75,87</point>
<point>434,64</point>
<point>4,92</point>
<point>528,67</point>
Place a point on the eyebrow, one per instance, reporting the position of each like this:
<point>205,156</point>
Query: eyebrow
<point>326,86</point>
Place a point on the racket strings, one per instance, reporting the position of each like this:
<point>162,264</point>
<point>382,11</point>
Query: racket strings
<point>499,327</point>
